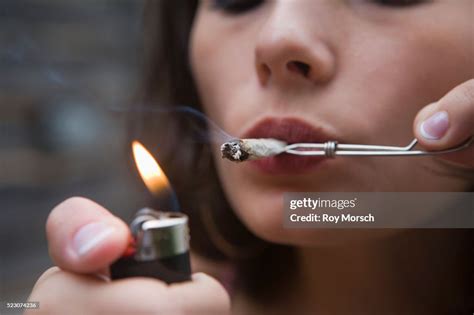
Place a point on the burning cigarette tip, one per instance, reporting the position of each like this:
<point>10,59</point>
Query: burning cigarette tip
<point>233,151</point>
<point>239,150</point>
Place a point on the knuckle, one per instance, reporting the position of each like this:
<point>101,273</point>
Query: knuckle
<point>219,294</point>
<point>151,290</point>
<point>46,275</point>
<point>60,292</point>
<point>149,296</point>
<point>210,298</point>
<point>215,286</point>
<point>46,290</point>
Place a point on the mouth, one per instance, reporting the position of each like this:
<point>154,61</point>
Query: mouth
<point>290,130</point>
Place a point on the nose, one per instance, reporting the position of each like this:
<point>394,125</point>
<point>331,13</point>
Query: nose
<point>292,53</point>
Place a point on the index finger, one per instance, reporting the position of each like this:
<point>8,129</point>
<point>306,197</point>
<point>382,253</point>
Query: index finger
<point>203,293</point>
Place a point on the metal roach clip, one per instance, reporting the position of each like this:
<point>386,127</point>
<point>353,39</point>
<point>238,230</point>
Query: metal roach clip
<point>333,149</point>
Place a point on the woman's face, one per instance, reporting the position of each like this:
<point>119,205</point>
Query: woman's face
<point>355,71</point>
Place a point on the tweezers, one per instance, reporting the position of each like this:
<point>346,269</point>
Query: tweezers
<point>333,149</point>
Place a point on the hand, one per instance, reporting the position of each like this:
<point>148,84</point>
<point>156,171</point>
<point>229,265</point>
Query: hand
<point>84,239</point>
<point>448,123</point>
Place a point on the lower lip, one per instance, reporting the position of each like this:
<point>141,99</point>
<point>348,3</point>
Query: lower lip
<point>287,164</point>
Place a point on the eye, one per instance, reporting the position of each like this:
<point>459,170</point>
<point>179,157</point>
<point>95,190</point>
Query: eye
<point>398,3</point>
<point>236,6</point>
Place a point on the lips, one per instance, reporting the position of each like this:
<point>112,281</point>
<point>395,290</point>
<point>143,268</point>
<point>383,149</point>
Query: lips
<point>291,130</point>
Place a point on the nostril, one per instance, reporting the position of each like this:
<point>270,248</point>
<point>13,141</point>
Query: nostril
<point>299,67</point>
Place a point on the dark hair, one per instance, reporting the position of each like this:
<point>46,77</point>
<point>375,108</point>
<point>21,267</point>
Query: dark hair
<point>218,233</point>
<point>189,165</point>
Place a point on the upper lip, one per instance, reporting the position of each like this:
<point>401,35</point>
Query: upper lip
<point>288,129</point>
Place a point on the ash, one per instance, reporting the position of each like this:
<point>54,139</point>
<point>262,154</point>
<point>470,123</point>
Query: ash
<point>233,151</point>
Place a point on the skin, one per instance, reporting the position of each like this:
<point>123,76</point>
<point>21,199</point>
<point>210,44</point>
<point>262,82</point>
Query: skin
<point>349,46</point>
<point>368,44</point>
<point>387,69</point>
<point>80,284</point>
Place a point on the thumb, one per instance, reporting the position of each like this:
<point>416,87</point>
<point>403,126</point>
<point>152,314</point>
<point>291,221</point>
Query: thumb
<point>84,237</point>
<point>448,123</point>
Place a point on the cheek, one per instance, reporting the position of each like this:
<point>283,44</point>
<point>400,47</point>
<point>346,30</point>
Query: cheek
<point>393,78</point>
<point>207,65</point>
<point>422,69</point>
<point>222,59</point>
<point>389,70</point>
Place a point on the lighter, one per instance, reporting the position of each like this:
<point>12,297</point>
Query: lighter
<point>159,248</point>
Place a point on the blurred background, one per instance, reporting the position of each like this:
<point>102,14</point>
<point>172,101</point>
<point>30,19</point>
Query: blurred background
<point>65,67</point>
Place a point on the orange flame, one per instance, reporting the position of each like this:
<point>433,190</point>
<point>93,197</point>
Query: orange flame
<point>151,173</point>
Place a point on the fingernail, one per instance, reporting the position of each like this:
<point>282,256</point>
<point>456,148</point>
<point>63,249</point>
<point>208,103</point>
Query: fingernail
<point>89,236</point>
<point>435,127</point>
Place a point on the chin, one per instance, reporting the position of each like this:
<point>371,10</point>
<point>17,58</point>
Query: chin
<point>259,205</point>
<point>264,218</point>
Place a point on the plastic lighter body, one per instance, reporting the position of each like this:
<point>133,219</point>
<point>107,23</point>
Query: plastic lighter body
<point>159,249</point>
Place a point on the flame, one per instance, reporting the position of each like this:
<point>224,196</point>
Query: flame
<point>151,173</point>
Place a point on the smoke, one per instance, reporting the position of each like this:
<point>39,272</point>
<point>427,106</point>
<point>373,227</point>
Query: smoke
<point>204,130</point>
